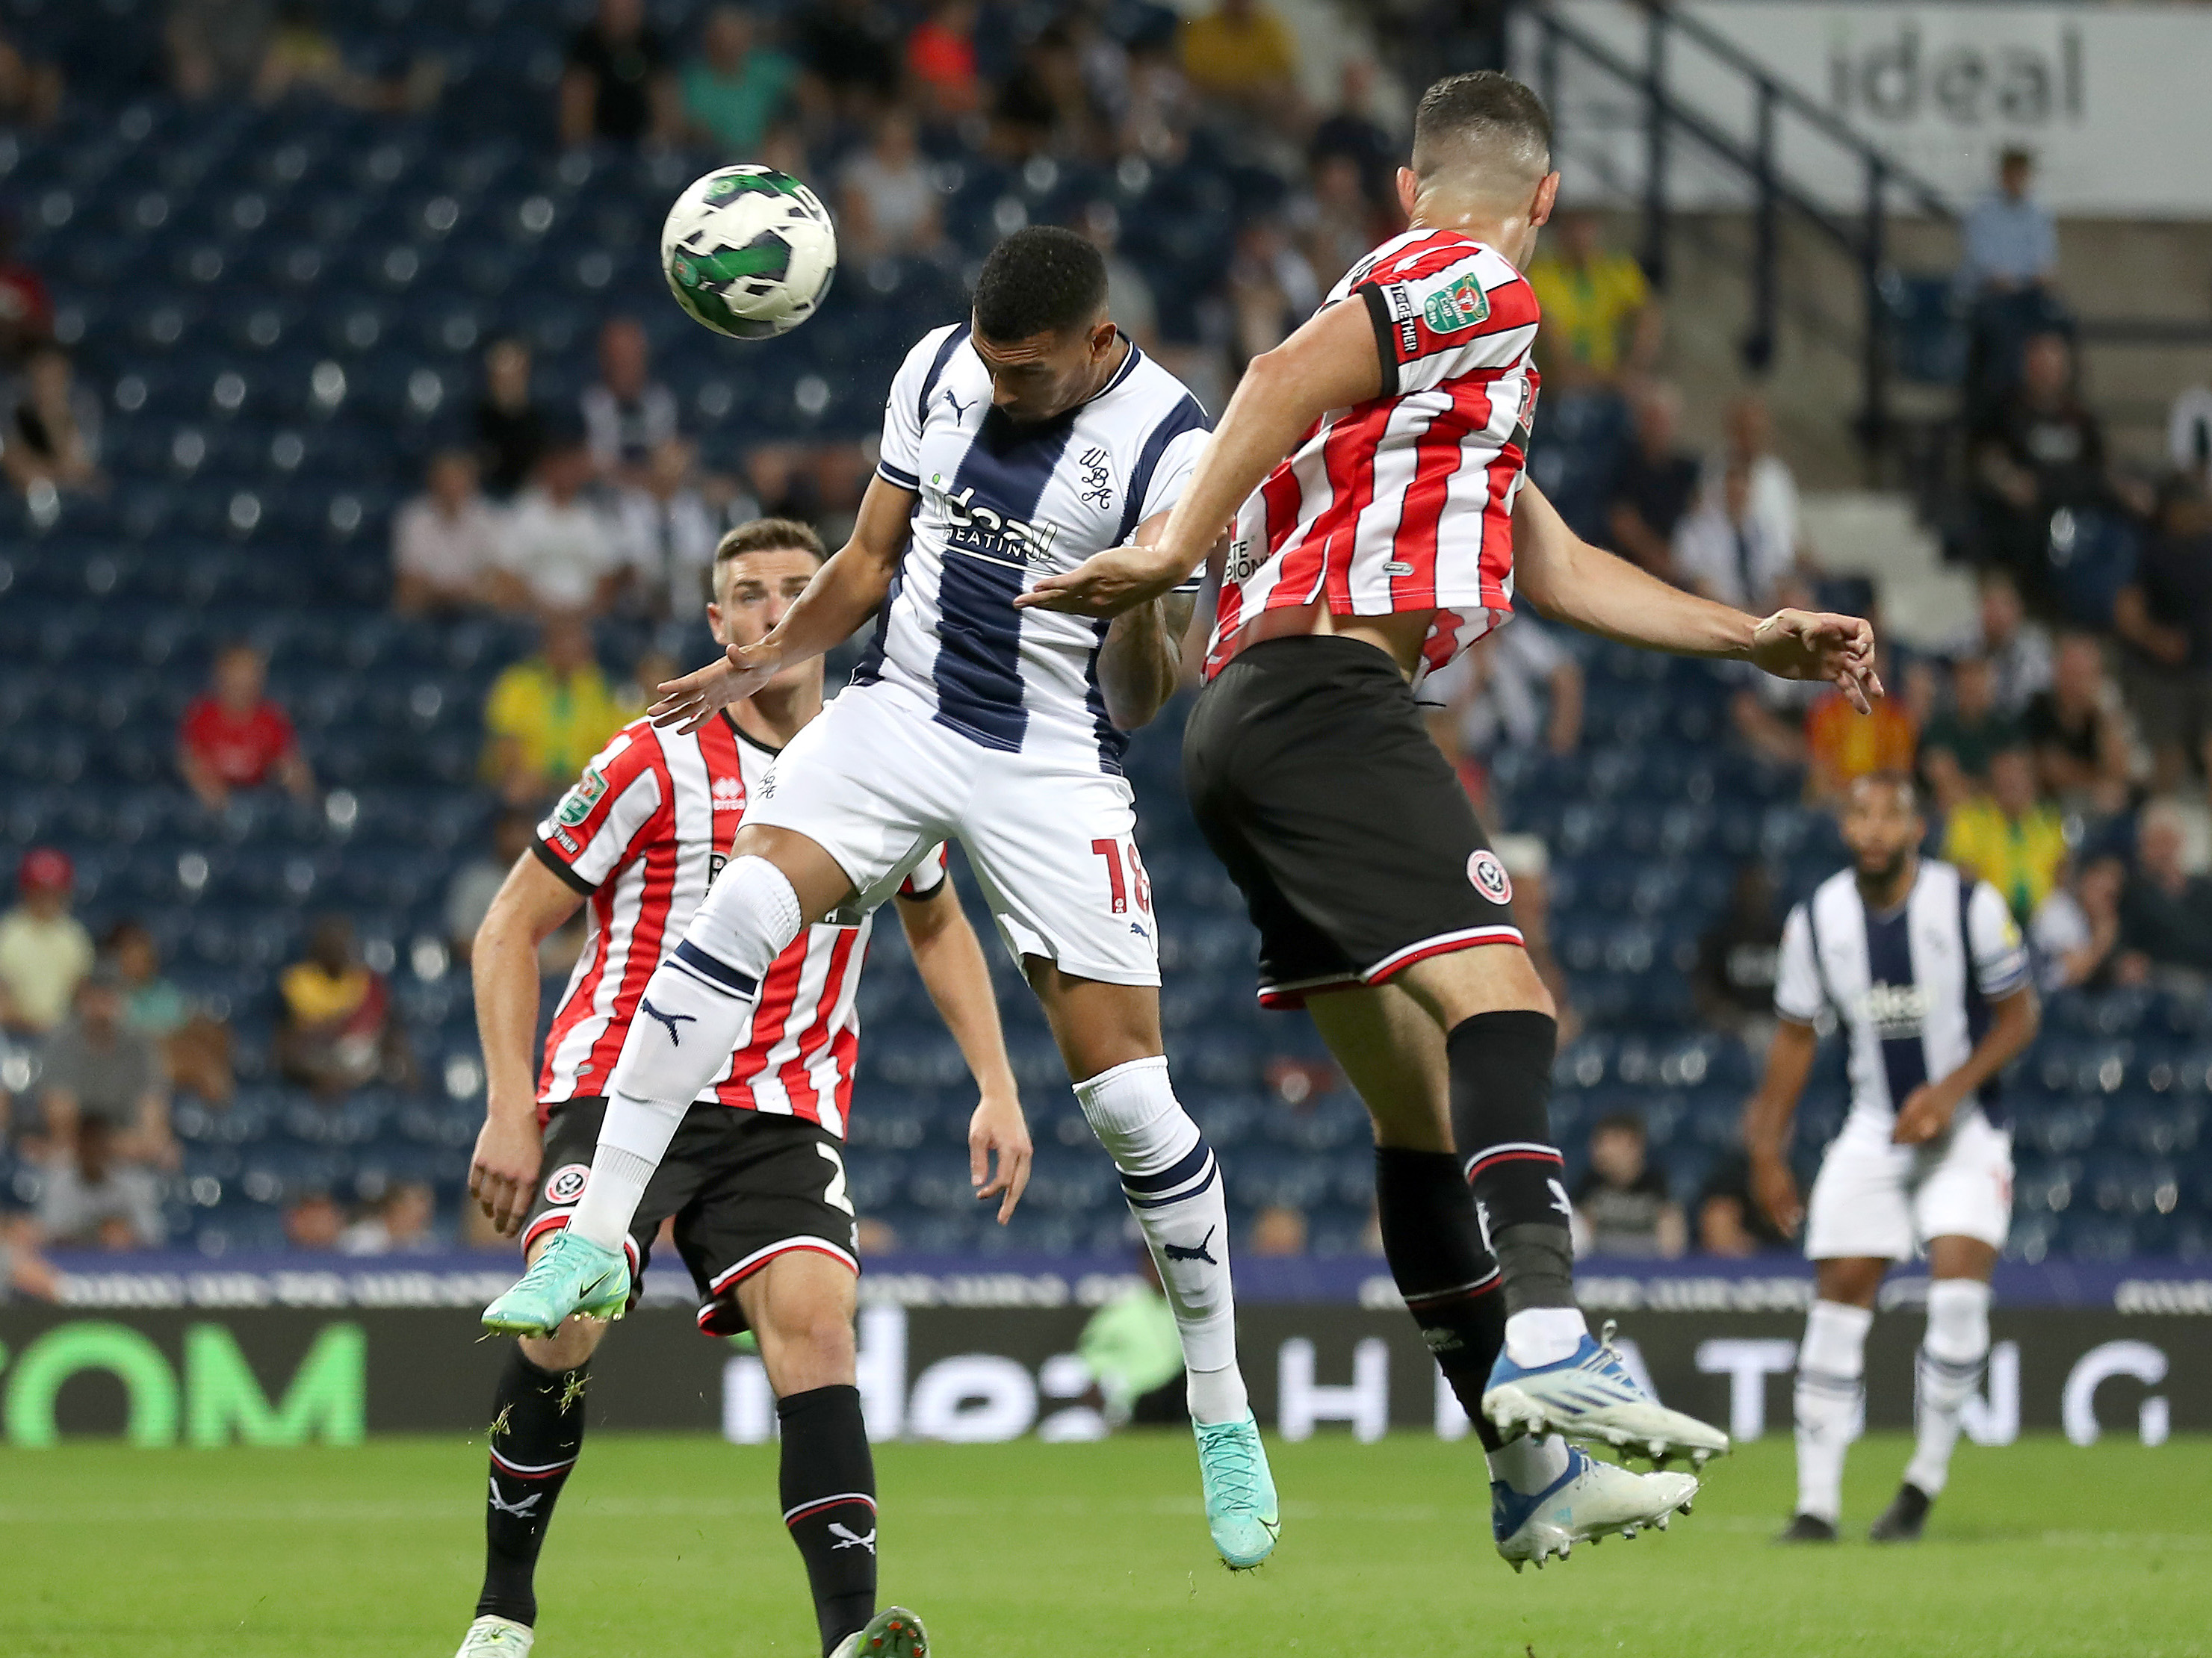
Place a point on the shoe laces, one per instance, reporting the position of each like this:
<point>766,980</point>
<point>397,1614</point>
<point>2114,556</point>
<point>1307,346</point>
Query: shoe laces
<point>1227,1458</point>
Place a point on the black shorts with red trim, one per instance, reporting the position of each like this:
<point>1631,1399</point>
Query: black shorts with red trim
<point>742,1187</point>
<point>1311,772</point>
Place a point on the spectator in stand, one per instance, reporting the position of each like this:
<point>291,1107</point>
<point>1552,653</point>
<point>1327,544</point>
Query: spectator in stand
<point>627,414</point>
<point>216,46</point>
<point>51,434</point>
<point>23,1270</point>
<point>235,737</point>
<point>1956,744</point>
<point>2039,449</point>
<point>2010,242</point>
<point>851,46</point>
<point>2189,436</point>
<point>445,542</point>
<point>92,1198</point>
<point>668,531</point>
<point>1129,298</point>
<point>2019,650</point>
<point>1738,957</point>
<point>2079,739</point>
<point>1729,1223</point>
<point>30,90</point>
<point>1726,550</point>
<point>1278,1231</point>
<point>1516,687</point>
<point>890,198</point>
<point>1656,483</point>
<point>1601,324</point>
<point>548,714</point>
<point>619,85</point>
<point>940,59</point>
<point>1773,485</point>
<point>510,427</point>
<point>557,551</point>
<point>1341,223</point>
<point>1272,289</point>
<point>194,1045</point>
<point>336,1030</point>
<point>27,309</point>
<point>1842,744</point>
<point>2164,619</point>
<point>400,1225</point>
<point>1621,1206</point>
<point>2078,928</point>
<point>1352,131</point>
<point>2008,837</point>
<point>313,1221</point>
<point>304,60</point>
<point>476,883</point>
<point>2165,912</point>
<point>101,1074</point>
<point>735,88</point>
<point>1243,55</point>
<point>45,951</point>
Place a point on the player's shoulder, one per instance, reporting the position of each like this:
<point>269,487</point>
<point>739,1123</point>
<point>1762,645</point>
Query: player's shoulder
<point>636,746</point>
<point>1837,894</point>
<point>1151,393</point>
<point>932,348</point>
<point>1423,254</point>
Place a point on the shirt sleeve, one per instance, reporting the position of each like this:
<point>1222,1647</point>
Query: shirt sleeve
<point>899,460</point>
<point>2000,956</point>
<point>602,821</point>
<point>1798,993</point>
<point>927,879</point>
<point>1435,321</point>
<point>1170,476</point>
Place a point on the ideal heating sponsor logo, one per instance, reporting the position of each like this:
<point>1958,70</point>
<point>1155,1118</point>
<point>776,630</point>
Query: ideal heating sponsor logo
<point>984,531</point>
<point>1894,1010</point>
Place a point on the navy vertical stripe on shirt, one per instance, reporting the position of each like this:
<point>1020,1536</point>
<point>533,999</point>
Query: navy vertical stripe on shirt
<point>1889,962</point>
<point>1187,416</point>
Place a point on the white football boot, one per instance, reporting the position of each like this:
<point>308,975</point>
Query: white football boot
<point>1588,1500</point>
<point>1589,1394</point>
<point>496,1638</point>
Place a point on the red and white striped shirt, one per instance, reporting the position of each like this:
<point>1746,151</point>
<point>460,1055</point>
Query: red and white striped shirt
<point>1404,502</point>
<point>643,834</point>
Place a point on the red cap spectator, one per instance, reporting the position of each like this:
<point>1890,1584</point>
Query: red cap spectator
<point>45,869</point>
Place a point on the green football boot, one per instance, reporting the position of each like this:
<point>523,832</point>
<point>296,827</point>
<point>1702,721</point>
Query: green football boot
<point>1240,1492</point>
<point>570,1275</point>
<point>894,1632</point>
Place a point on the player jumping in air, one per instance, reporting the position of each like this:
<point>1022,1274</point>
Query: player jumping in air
<point>1373,465</point>
<point>1926,975</point>
<point>1016,444</point>
<point>755,1175</point>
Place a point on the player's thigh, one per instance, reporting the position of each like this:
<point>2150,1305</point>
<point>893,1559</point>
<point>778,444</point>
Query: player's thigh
<point>1055,854</point>
<point>1392,1053</point>
<point>1860,1206</point>
<point>1487,978</point>
<point>1096,1025</point>
<point>1965,1192</point>
<point>862,792</point>
<point>801,1306</point>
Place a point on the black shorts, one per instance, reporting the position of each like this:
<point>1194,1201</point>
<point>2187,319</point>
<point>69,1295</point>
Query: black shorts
<point>744,1187</point>
<point>1311,772</point>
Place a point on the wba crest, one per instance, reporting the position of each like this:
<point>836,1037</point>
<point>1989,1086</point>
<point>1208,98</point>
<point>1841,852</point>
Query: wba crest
<point>1461,305</point>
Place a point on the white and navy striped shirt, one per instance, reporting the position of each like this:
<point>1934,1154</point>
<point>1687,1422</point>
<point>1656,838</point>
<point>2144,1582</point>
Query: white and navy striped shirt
<point>1000,504</point>
<point>1911,987</point>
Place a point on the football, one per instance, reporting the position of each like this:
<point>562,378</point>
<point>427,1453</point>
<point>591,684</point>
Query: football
<point>749,252</point>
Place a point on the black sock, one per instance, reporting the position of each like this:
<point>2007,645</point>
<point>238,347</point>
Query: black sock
<point>829,1487</point>
<point>1450,1284</point>
<point>536,1431</point>
<point>1501,1093</point>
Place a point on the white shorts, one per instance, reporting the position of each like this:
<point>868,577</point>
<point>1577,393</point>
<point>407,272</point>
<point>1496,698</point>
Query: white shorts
<point>1877,1200</point>
<point>876,783</point>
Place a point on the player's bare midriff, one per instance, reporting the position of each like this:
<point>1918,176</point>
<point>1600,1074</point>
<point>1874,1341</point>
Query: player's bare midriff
<point>1398,636</point>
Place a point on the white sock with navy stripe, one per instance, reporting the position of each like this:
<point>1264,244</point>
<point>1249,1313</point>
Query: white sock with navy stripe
<point>692,1018</point>
<point>1830,1401</point>
<point>1174,1188</point>
<point>1949,1368</point>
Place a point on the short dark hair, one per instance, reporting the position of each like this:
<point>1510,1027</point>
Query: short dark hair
<point>1043,280</point>
<point>767,535</point>
<point>1621,1122</point>
<point>1483,114</point>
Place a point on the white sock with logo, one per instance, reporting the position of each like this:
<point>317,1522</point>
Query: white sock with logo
<point>1948,1368</point>
<point>1174,1188</point>
<point>1830,1401</point>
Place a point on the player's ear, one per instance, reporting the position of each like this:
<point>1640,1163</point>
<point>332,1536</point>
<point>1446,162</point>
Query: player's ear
<point>1102,336</point>
<point>1547,197</point>
<point>714,621</point>
<point>1409,191</point>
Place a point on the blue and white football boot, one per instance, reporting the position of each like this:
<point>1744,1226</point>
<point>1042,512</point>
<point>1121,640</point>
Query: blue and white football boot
<point>1588,1500</point>
<point>1589,1394</point>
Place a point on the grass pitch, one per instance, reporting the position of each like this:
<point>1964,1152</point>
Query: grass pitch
<point>672,1546</point>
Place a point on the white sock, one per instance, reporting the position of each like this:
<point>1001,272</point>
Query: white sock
<point>692,1016</point>
<point>1949,1369</point>
<point>1544,1335</point>
<point>1530,1462</point>
<point>1174,1188</point>
<point>1831,1403</point>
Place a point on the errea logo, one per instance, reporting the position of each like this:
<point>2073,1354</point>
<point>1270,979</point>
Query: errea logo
<point>729,793</point>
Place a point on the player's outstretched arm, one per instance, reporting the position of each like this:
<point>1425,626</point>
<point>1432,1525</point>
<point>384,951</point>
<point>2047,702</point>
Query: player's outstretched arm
<point>1331,362</point>
<point>1569,580</point>
<point>533,905</point>
<point>1766,1122</point>
<point>846,592</point>
<point>950,962</point>
<point>1929,1108</point>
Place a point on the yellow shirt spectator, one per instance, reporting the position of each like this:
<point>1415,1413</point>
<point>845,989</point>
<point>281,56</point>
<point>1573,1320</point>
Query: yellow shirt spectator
<point>1842,744</point>
<point>2020,857</point>
<point>544,726</point>
<point>1240,48</point>
<point>1587,306</point>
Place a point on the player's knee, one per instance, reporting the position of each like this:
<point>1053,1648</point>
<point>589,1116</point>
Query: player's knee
<point>569,1346</point>
<point>810,1347</point>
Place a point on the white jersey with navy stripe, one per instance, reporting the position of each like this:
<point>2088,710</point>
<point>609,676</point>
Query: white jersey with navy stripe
<point>1911,987</point>
<point>1000,503</point>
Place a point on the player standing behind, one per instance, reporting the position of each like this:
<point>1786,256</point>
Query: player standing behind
<point>1021,441</point>
<point>756,1176</point>
<point>1373,463</point>
<point>1926,974</point>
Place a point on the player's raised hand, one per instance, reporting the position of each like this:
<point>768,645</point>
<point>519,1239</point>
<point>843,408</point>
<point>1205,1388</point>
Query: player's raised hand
<point>1106,584</point>
<point>1774,1189</point>
<point>503,1172</point>
<point>997,1126</point>
<point>1817,645</point>
<point>691,701</point>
